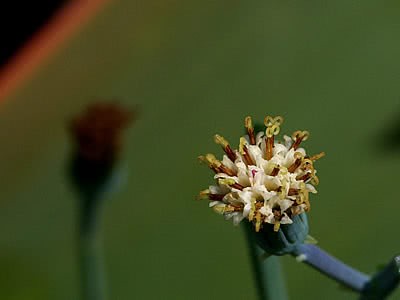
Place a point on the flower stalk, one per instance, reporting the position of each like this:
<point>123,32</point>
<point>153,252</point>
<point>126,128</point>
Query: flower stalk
<point>320,260</point>
<point>93,279</point>
<point>267,273</point>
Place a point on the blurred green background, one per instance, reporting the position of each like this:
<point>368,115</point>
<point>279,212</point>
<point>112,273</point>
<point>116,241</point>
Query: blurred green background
<point>196,68</point>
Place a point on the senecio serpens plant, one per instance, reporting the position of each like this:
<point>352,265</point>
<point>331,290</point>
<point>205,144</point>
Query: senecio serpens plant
<point>266,184</point>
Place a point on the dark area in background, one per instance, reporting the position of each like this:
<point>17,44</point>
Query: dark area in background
<point>391,136</point>
<point>19,21</point>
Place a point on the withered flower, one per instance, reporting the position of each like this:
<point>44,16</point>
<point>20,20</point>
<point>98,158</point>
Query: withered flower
<point>97,135</point>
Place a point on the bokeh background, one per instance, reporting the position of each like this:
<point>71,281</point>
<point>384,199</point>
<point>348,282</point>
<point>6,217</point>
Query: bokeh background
<point>196,68</point>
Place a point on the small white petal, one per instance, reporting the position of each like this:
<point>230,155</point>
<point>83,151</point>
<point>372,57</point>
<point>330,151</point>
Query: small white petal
<point>311,188</point>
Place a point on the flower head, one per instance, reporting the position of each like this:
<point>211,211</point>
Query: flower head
<point>97,132</point>
<point>264,180</point>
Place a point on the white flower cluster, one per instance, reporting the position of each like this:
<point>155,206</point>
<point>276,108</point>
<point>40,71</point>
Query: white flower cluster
<point>265,181</point>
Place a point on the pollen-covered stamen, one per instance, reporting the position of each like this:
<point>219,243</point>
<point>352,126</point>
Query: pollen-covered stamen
<point>206,195</point>
<point>317,156</point>
<point>204,159</point>
<point>299,136</point>
<point>230,182</point>
<point>299,159</point>
<point>217,166</point>
<point>225,146</point>
<point>250,130</point>
<point>226,208</point>
<point>273,128</point>
<point>244,151</point>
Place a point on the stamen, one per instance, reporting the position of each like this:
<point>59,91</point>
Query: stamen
<point>273,128</point>
<point>216,197</point>
<point>226,181</point>
<point>203,195</point>
<point>219,208</point>
<point>275,171</point>
<point>216,165</point>
<point>204,159</point>
<point>250,130</point>
<point>293,192</point>
<point>307,165</point>
<point>304,177</point>
<point>225,146</point>
<point>269,144</point>
<point>237,186</point>
<point>299,136</point>
<point>233,208</point>
<point>317,156</point>
<point>244,151</point>
<point>230,182</point>
<point>297,162</point>
<point>226,170</point>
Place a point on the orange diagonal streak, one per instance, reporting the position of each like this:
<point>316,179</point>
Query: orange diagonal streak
<point>67,21</point>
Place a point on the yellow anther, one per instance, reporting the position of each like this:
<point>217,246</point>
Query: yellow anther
<point>278,120</point>
<point>242,144</point>
<point>296,134</point>
<point>306,135</point>
<point>219,208</point>
<point>212,160</point>
<point>203,195</point>
<point>226,181</point>
<point>220,140</point>
<point>250,130</point>
<point>248,123</point>
<point>268,121</point>
<point>272,130</point>
<point>303,135</point>
<point>298,155</point>
<point>307,165</point>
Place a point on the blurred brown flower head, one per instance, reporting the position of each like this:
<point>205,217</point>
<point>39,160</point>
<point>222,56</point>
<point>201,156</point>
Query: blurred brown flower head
<point>97,132</point>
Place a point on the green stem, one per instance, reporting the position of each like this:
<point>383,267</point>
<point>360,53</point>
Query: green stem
<point>91,262</point>
<point>267,273</point>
